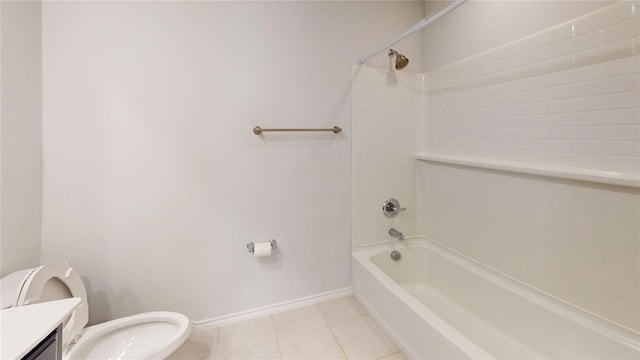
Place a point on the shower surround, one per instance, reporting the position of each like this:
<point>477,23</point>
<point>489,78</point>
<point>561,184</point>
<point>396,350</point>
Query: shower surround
<point>564,100</point>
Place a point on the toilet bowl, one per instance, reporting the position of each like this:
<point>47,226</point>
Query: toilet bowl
<point>151,335</point>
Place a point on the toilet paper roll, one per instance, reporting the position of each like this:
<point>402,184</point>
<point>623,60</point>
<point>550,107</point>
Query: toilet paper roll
<point>262,249</point>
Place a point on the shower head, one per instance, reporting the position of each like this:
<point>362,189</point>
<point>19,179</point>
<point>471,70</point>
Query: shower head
<point>401,60</point>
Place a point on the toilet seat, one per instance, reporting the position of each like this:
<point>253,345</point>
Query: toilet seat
<point>151,335</point>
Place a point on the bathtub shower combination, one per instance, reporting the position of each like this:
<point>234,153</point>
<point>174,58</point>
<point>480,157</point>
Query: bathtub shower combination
<point>522,230</point>
<point>436,304</point>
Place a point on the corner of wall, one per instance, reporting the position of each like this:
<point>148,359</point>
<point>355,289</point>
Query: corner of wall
<point>20,137</point>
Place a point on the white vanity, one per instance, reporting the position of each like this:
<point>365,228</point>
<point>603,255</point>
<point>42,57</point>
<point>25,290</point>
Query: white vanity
<point>34,332</point>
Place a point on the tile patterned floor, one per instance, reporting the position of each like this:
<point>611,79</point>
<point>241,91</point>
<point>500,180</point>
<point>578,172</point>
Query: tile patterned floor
<point>335,329</point>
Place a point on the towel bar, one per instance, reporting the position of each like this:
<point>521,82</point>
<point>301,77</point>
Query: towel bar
<point>258,130</point>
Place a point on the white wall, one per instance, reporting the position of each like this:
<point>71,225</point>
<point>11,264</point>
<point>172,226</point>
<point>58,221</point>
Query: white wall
<point>153,180</point>
<point>567,96</point>
<point>20,114</point>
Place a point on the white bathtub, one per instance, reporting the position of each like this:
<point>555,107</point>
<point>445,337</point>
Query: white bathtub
<point>437,305</point>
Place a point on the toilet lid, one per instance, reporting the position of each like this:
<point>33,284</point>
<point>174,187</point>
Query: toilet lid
<point>32,293</point>
<point>10,287</point>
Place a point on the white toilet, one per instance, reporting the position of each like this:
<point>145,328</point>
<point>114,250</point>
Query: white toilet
<point>151,335</point>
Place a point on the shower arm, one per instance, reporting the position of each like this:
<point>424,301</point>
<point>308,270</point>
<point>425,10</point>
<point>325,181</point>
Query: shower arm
<point>418,26</point>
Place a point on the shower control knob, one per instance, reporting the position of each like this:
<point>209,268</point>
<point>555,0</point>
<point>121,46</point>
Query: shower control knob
<point>391,208</point>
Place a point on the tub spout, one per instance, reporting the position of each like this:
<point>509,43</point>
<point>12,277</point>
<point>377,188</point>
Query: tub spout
<point>395,233</point>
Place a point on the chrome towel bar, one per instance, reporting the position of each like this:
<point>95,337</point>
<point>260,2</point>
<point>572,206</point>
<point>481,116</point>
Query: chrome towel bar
<point>258,130</point>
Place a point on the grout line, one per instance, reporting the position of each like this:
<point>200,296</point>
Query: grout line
<point>216,346</point>
<point>275,332</point>
<point>344,353</point>
<point>531,89</point>
<point>394,353</point>
<point>252,345</point>
<point>326,322</point>
<point>349,319</point>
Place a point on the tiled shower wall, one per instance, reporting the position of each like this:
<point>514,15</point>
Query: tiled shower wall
<point>567,96</point>
<point>387,131</point>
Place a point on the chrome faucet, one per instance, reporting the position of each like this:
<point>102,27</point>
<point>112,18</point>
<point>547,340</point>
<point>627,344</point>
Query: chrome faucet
<point>395,233</point>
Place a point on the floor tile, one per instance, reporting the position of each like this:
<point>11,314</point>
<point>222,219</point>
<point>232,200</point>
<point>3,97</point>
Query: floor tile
<point>198,346</point>
<point>362,338</point>
<point>341,309</point>
<point>314,344</point>
<point>245,334</point>
<point>265,351</point>
<point>297,334</point>
<point>296,321</point>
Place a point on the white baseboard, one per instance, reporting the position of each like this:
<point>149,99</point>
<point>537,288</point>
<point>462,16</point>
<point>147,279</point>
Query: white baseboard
<point>270,309</point>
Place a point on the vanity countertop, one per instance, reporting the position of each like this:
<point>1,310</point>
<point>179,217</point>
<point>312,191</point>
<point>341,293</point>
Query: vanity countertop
<point>23,327</point>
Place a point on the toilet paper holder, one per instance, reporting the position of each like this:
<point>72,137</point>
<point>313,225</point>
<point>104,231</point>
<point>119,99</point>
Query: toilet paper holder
<point>251,245</point>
